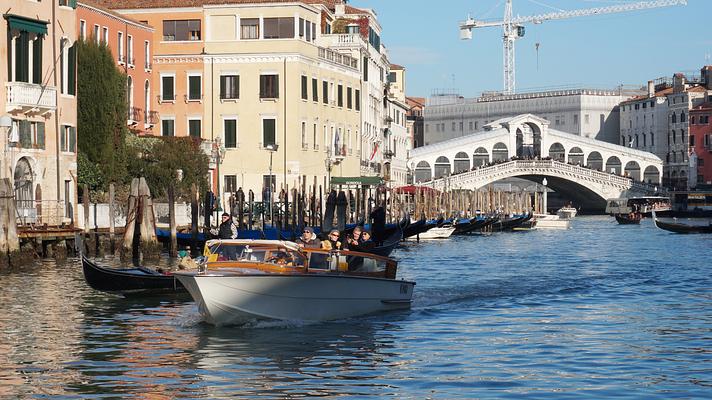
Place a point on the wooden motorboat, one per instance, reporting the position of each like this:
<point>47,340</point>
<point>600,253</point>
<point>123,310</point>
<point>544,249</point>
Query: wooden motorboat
<point>683,225</point>
<point>129,281</point>
<point>628,219</point>
<point>441,232</point>
<point>246,280</point>
<point>549,221</point>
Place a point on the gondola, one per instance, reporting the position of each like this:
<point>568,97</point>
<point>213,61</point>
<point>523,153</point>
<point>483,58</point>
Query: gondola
<point>183,238</point>
<point>627,219</point>
<point>129,281</point>
<point>389,244</point>
<point>475,225</point>
<point>678,227</point>
<point>415,228</point>
<point>509,224</point>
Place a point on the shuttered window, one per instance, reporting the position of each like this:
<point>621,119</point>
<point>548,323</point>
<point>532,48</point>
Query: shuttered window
<point>181,30</point>
<point>25,134</point>
<point>41,135</point>
<point>325,92</point>
<point>37,60</point>
<point>269,132</point>
<point>230,133</point>
<point>22,57</point>
<point>72,70</point>
<point>194,87</point>
<point>305,90</point>
<point>315,89</point>
<point>229,86</point>
<point>269,86</point>
<point>279,28</point>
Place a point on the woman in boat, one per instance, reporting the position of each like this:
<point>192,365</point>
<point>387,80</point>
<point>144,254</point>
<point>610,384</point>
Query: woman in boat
<point>308,240</point>
<point>227,228</point>
<point>332,241</point>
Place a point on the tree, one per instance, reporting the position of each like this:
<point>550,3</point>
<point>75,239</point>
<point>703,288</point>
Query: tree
<point>101,114</point>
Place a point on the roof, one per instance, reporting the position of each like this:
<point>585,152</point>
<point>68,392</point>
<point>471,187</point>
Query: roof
<point>659,93</point>
<point>415,101</point>
<point>704,107</point>
<point>140,4</point>
<point>95,4</point>
<point>396,66</point>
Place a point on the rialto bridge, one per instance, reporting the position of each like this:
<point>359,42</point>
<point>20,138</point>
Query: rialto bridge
<point>588,171</point>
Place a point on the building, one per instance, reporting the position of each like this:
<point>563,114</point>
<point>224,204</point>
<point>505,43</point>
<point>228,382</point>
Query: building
<point>130,43</point>
<point>415,120</point>
<point>644,120</point>
<point>701,142</point>
<point>266,85</point>
<point>39,154</point>
<point>589,113</point>
<point>396,138</point>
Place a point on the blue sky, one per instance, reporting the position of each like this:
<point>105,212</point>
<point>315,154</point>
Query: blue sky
<point>598,51</point>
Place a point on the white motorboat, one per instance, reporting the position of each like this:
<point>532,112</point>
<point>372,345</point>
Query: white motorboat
<point>442,232</point>
<point>548,221</point>
<point>566,212</point>
<point>247,280</point>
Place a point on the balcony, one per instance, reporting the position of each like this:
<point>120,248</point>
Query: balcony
<point>151,117</point>
<point>148,66</point>
<point>30,97</point>
<point>338,58</point>
<point>344,41</point>
<point>134,115</point>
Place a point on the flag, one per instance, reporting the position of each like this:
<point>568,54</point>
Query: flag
<point>375,149</point>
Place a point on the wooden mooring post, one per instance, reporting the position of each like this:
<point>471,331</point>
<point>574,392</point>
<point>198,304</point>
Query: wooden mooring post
<point>9,242</point>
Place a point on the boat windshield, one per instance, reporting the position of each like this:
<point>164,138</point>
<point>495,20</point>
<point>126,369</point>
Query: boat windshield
<point>336,261</point>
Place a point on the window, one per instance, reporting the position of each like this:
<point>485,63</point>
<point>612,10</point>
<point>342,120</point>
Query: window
<point>304,135</point>
<point>147,54</point>
<point>27,57</point>
<point>309,28</point>
<point>692,140</point>
<point>575,119</point>
<point>32,134</point>
<point>230,183</point>
<point>279,28</point>
<point>453,126</point>
<point>269,86</point>
<point>105,35</point>
<point>652,139</point>
<point>230,133</point>
<point>194,127</point>
<point>168,126</point>
<point>365,69</point>
<point>120,46</point>
<point>301,27</point>
<point>181,30</point>
<point>305,90</point>
<point>349,102</point>
<point>391,77</point>
<point>68,139</point>
<point>315,89</point>
<point>194,87</point>
<point>340,96</point>
<point>325,91</point>
<point>673,118</point>
<point>96,33</point>
<point>313,27</point>
<point>358,100</point>
<point>315,146</point>
<point>82,29</point>
<point>250,28</point>
<point>129,51</point>
<point>269,131</point>
<point>585,119</point>
<point>682,117</point>
<point>229,87</point>
<point>168,88</point>
<point>68,67</point>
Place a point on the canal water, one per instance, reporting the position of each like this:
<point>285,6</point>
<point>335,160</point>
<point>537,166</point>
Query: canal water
<point>597,311</point>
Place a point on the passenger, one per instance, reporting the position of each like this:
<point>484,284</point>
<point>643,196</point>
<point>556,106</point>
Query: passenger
<point>332,241</point>
<point>354,239</point>
<point>366,245</point>
<point>281,258</point>
<point>308,240</point>
<point>227,228</point>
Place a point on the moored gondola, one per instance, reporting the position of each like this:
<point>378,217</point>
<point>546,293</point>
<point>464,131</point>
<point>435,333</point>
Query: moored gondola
<point>129,281</point>
<point>692,225</point>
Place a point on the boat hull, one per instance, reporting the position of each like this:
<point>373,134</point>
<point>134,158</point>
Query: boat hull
<point>129,281</point>
<point>237,299</point>
<point>551,222</point>
<point>437,233</point>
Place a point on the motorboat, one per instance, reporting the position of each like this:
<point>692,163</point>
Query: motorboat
<point>549,221</point>
<point>566,212</point>
<point>247,280</point>
<point>442,232</point>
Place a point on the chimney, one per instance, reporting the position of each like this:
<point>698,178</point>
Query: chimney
<point>651,89</point>
<point>678,83</point>
<point>340,9</point>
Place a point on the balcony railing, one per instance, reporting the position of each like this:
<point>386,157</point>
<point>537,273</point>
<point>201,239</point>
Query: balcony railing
<point>345,40</point>
<point>134,115</point>
<point>148,66</point>
<point>22,95</point>
<point>151,117</point>
<point>338,58</point>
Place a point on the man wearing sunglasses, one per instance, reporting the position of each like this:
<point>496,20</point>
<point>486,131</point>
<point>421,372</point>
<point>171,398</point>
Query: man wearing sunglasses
<point>332,241</point>
<point>308,240</point>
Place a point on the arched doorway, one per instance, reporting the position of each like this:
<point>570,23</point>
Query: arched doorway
<point>442,167</point>
<point>480,158</point>
<point>651,174</point>
<point>423,173</point>
<point>500,152</point>
<point>595,161</point>
<point>632,170</point>
<point>528,141</point>
<point>576,156</point>
<point>461,162</point>
<point>23,184</point>
<point>613,165</point>
<point>557,152</point>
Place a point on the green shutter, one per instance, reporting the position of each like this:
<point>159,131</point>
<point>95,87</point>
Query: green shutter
<point>268,131</point>
<point>37,60</point>
<point>222,86</point>
<point>73,139</point>
<point>25,134</point>
<point>63,138</point>
<point>73,3</point>
<point>194,88</point>
<point>41,135</point>
<point>230,133</point>
<point>72,72</point>
<point>22,57</point>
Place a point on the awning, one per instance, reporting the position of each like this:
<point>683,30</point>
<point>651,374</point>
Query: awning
<point>357,180</point>
<point>410,189</point>
<point>21,23</point>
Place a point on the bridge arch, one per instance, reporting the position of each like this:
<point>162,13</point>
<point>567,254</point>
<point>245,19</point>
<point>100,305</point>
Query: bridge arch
<point>557,152</point>
<point>500,152</point>
<point>632,170</point>
<point>461,162</point>
<point>613,165</point>
<point>595,161</point>
<point>576,156</point>
<point>480,157</point>
<point>442,167</point>
<point>423,173</point>
<point>651,174</point>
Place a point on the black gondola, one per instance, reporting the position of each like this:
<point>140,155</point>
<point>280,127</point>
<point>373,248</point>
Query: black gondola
<point>678,227</point>
<point>389,244</point>
<point>628,219</point>
<point>415,228</point>
<point>508,224</point>
<point>129,281</point>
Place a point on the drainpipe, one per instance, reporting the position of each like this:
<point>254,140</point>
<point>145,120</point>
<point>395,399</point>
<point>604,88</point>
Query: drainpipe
<point>284,101</point>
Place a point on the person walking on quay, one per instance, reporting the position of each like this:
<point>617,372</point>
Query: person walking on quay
<point>332,241</point>
<point>227,228</point>
<point>308,240</point>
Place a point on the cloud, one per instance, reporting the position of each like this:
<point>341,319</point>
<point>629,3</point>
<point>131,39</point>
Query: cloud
<point>413,55</point>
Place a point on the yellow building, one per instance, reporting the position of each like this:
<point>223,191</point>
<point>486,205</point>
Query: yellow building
<point>254,82</point>
<point>38,81</point>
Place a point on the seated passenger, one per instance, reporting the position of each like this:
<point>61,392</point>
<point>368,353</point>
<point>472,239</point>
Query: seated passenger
<point>366,244</point>
<point>332,242</point>
<point>308,240</point>
<point>354,239</point>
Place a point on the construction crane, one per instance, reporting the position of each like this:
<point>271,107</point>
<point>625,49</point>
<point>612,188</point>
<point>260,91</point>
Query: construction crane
<point>514,27</point>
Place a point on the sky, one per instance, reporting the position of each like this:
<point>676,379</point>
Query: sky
<point>601,51</point>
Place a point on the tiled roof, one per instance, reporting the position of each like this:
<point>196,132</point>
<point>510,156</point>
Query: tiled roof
<point>415,101</point>
<point>95,4</point>
<point>396,66</point>
<point>660,93</point>
<point>137,4</point>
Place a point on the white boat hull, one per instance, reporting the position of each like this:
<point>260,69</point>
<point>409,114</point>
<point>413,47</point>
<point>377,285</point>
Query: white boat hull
<point>437,233</point>
<point>551,222</point>
<point>567,212</point>
<point>237,299</point>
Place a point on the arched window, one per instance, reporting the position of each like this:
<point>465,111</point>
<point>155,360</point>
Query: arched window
<point>23,184</point>
<point>682,116</point>
<point>674,118</point>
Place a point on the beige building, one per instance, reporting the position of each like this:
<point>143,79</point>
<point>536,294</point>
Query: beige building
<point>38,81</point>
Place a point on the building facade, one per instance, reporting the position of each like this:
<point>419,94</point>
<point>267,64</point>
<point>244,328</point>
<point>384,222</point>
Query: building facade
<point>415,120</point>
<point>39,153</point>
<point>644,120</point>
<point>701,142</point>
<point>131,44</point>
<point>585,112</point>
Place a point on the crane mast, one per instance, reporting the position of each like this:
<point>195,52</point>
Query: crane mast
<point>513,27</point>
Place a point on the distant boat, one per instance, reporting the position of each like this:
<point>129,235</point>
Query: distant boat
<point>548,221</point>
<point>442,232</point>
<point>628,219</point>
<point>566,212</point>
<point>683,225</point>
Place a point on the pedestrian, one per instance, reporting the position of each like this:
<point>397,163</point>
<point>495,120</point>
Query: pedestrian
<point>332,241</point>
<point>227,228</point>
<point>308,240</point>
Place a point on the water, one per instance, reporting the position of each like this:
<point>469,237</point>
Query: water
<point>598,311</point>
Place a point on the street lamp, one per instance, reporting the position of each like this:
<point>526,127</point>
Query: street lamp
<point>544,182</point>
<point>5,128</point>
<point>272,148</point>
